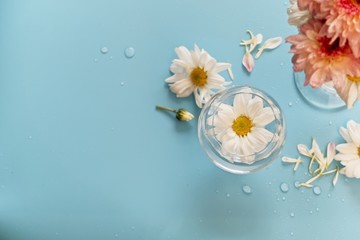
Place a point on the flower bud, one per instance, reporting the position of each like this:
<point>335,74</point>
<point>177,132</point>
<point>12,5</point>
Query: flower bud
<point>184,115</point>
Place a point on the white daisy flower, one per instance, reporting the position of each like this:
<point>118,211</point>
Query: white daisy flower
<point>196,72</point>
<point>296,16</point>
<point>241,128</point>
<point>349,153</point>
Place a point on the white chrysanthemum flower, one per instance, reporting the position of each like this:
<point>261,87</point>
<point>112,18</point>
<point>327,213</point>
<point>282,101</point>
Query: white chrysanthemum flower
<point>241,128</point>
<point>196,72</point>
<point>296,16</point>
<point>349,153</point>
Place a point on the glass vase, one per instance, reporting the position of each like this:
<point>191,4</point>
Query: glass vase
<point>234,163</point>
<point>324,97</point>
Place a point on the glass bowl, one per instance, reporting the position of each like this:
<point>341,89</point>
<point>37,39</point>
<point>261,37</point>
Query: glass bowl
<point>244,155</point>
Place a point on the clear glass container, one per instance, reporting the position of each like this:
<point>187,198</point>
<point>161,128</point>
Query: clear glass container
<point>234,162</point>
<point>324,97</point>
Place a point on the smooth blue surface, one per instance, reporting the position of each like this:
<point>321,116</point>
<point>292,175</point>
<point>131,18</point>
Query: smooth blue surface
<point>85,155</point>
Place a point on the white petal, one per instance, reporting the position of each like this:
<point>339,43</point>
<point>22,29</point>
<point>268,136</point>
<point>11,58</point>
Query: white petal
<point>351,170</point>
<point>272,43</point>
<point>346,157</point>
<point>209,65</point>
<point>182,88</point>
<point>354,132</point>
<point>290,160</point>
<point>269,44</point>
<point>352,95</point>
<point>229,147</point>
<point>184,54</point>
<point>240,104</point>
<point>255,106</point>
<point>345,134</point>
<point>221,67</point>
<point>175,78</point>
<point>347,148</point>
<point>266,117</point>
<point>303,150</point>
<point>330,153</point>
<point>262,135</point>
<point>336,177</point>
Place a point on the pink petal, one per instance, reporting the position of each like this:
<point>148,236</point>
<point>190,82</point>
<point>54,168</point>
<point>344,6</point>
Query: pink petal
<point>248,61</point>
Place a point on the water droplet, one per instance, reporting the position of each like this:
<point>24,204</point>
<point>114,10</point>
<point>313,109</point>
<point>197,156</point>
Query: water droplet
<point>302,191</point>
<point>308,200</point>
<point>282,64</point>
<point>311,212</point>
<point>269,183</point>
<point>30,137</point>
<point>305,173</point>
<point>133,228</point>
<point>275,211</point>
<point>291,234</point>
<point>317,190</point>
<point>297,184</point>
<point>111,57</point>
<point>290,104</point>
<point>104,50</point>
<point>343,200</point>
<point>329,195</point>
<point>96,60</point>
<point>122,84</point>
<point>330,123</point>
<point>317,209</point>
<point>278,199</point>
<point>283,198</point>
<point>129,52</point>
<point>116,235</point>
<point>292,214</point>
<point>217,191</point>
<point>247,189</point>
<point>228,195</point>
<point>284,187</point>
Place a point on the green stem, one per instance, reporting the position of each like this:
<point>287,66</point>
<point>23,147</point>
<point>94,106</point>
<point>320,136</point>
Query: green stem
<point>165,108</point>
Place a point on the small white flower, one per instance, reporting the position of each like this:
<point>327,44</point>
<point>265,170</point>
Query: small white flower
<point>349,153</point>
<point>196,72</point>
<point>241,128</point>
<point>296,16</point>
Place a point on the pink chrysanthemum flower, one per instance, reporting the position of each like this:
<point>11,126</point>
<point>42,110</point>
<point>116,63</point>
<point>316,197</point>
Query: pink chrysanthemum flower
<point>343,22</point>
<point>320,59</point>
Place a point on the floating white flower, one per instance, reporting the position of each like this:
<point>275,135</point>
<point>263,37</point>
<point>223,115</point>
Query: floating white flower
<point>241,128</point>
<point>196,72</point>
<point>349,153</point>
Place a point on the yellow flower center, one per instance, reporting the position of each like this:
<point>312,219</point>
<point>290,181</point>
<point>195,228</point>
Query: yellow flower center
<point>353,78</point>
<point>198,77</point>
<point>242,126</point>
<point>359,151</point>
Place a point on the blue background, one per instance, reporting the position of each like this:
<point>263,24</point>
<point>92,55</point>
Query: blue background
<point>85,155</point>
